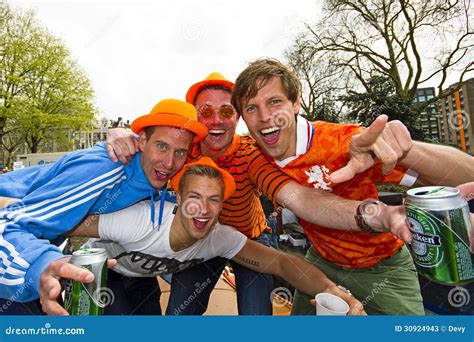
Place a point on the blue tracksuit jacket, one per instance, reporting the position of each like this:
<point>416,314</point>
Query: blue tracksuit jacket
<point>55,198</point>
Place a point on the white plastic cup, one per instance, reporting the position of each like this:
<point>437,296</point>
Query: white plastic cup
<point>328,304</point>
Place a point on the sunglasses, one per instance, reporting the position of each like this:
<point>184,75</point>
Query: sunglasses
<point>226,111</point>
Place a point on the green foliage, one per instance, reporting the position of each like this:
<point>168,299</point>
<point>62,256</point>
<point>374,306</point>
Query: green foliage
<point>399,189</point>
<point>319,97</point>
<point>380,97</point>
<point>324,109</point>
<point>43,92</point>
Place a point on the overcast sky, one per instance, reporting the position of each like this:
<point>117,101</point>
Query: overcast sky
<point>136,53</point>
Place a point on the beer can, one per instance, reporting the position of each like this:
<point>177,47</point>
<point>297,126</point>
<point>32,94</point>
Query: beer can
<point>85,299</point>
<point>440,223</point>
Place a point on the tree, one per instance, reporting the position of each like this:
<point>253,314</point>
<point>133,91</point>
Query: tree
<point>43,92</point>
<point>319,100</point>
<point>380,97</point>
<point>409,41</point>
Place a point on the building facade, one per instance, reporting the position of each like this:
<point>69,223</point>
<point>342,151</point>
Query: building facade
<point>457,116</point>
<point>430,119</point>
<point>76,139</point>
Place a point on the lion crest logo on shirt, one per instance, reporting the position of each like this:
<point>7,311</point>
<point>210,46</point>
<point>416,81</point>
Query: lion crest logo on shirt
<point>318,176</point>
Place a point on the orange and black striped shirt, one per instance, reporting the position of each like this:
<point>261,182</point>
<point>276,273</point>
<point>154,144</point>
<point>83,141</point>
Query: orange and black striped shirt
<point>252,173</point>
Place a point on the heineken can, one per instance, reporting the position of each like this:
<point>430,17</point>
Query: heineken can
<point>441,227</point>
<point>85,299</point>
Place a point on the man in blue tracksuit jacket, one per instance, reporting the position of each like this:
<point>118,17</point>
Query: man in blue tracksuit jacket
<point>56,197</point>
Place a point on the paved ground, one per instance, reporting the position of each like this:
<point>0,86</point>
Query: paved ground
<point>223,301</point>
<point>223,298</point>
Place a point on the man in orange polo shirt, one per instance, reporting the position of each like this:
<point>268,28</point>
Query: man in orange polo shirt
<point>375,265</point>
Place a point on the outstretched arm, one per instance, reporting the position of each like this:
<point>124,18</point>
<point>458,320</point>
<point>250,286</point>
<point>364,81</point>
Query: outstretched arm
<point>329,210</point>
<point>391,144</point>
<point>50,287</point>
<point>439,164</point>
<point>299,273</point>
<point>51,210</point>
<point>88,228</point>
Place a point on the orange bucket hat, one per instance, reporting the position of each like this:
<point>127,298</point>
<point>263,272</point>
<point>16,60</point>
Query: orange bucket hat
<point>213,79</point>
<point>229,183</point>
<point>174,113</point>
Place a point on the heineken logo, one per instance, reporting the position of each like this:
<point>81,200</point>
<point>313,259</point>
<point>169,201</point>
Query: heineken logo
<point>433,240</point>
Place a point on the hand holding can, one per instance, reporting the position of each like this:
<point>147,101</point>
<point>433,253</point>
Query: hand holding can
<point>441,225</point>
<point>85,299</point>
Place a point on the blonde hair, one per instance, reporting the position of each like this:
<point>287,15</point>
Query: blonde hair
<point>201,170</point>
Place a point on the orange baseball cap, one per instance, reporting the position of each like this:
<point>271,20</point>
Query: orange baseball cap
<point>174,113</point>
<point>213,79</point>
<point>229,183</point>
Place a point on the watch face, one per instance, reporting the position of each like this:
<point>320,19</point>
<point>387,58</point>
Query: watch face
<point>370,208</point>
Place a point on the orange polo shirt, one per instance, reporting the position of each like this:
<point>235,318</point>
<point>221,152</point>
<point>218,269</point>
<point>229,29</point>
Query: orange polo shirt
<point>252,173</point>
<point>323,148</point>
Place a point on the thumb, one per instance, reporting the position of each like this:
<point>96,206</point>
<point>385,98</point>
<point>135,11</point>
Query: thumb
<point>344,174</point>
<point>467,190</point>
<point>111,263</point>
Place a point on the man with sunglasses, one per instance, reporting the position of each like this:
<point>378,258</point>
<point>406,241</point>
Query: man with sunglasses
<point>253,173</point>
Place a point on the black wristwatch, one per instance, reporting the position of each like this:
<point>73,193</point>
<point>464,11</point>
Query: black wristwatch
<point>362,212</point>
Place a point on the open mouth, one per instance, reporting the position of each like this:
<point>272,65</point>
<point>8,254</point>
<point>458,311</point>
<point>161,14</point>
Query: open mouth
<point>162,176</point>
<point>270,135</point>
<point>200,223</point>
<point>216,132</point>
